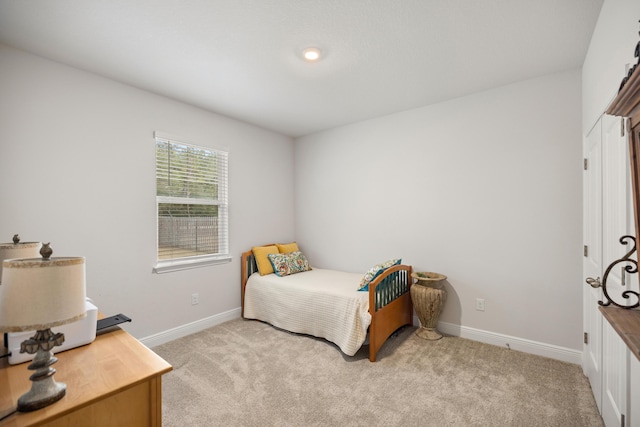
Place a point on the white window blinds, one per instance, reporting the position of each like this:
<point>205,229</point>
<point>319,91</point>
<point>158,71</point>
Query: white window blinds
<point>192,211</point>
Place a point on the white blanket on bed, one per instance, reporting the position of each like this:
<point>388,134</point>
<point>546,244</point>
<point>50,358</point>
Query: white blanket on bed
<point>322,303</point>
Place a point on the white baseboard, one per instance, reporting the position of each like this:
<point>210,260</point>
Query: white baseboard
<point>190,328</point>
<point>514,343</point>
<point>533,347</point>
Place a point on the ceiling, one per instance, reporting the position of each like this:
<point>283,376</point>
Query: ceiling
<point>242,58</point>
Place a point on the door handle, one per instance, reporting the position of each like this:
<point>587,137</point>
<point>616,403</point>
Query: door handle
<point>594,283</point>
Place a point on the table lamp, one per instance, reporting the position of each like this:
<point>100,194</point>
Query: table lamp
<point>38,294</point>
<point>17,250</point>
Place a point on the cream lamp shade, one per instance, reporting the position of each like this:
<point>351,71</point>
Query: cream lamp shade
<point>38,293</point>
<point>18,250</point>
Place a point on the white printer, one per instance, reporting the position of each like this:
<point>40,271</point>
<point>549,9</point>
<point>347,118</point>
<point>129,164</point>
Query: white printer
<point>76,334</point>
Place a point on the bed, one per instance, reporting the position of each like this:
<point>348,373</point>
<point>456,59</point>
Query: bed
<point>325,303</point>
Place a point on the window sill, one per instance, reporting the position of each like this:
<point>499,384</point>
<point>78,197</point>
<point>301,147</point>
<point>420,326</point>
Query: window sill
<point>188,263</point>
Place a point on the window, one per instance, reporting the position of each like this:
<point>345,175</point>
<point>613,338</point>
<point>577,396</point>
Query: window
<point>191,200</point>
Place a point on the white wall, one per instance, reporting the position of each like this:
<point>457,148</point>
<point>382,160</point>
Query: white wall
<point>77,168</point>
<point>611,49</point>
<point>485,189</point>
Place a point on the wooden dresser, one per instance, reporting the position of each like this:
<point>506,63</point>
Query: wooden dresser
<point>114,381</point>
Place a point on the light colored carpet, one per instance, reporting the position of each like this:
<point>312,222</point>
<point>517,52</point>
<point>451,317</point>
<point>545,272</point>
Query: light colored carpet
<point>247,373</point>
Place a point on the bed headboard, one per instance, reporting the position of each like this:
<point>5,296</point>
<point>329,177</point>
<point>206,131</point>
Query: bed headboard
<point>249,266</point>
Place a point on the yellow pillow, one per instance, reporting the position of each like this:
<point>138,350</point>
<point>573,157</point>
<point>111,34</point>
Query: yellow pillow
<point>262,260</point>
<point>288,248</point>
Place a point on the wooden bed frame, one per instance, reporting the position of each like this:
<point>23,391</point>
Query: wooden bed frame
<point>389,301</point>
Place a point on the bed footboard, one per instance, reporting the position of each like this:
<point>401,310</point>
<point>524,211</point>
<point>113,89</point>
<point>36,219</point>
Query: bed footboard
<point>390,305</point>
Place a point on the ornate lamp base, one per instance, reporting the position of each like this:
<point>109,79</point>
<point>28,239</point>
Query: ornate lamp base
<point>44,389</point>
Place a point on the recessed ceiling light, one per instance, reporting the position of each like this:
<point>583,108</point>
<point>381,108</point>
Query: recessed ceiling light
<point>311,54</point>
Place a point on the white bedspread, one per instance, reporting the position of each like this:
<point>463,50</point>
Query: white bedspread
<point>322,303</point>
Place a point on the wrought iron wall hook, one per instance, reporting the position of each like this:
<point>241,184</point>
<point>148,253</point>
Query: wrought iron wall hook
<point>632,69</point>
<point>631,268</point>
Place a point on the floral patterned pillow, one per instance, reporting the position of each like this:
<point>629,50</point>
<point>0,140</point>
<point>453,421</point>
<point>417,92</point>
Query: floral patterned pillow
<point>291,263</point>
<point>374,272</point>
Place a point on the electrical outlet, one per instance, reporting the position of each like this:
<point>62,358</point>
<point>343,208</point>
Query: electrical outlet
<point>479,304</point>
<point>195,299</point>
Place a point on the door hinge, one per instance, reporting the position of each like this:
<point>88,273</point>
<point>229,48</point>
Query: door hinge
<point>585,251</point>
<point>585,338</point>
<point>586,164</point>
<point>622,126</point>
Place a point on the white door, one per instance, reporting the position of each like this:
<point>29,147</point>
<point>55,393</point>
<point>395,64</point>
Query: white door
<point>592,262</point>
<point>614,377</point>
<point>606,219</point>
<point>615,219</point>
